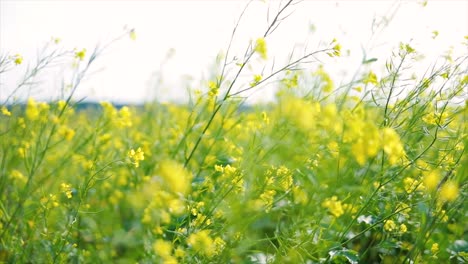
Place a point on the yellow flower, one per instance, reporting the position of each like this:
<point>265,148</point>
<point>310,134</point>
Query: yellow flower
<point>411,185</point>
<point>162,248</point>
<point>124,117</point>
<point>392,145</point>
<point>219,244</point>
<point>214,89</point>
<point>66,188</point>
<point>66,132</point>
<point>368,145</point>
<point>431,179</point>
<point>179,252</point>
<point>176,206</point>
<point>80,54</point>
<point>52,199</point>
<point>17,59</point>
<point>334,206</point>
<point>300,196</point>
<point>32,110</point>
<point>229,170</point>
<point>256,79</point>
<point>435,248</point>
<point>358,88</point>
<point>327,82</point>
<point>136,156</point>
<point>370,78</point>
<point>430,119</point>
<point>389,225</point>
<point>5,111</point>
<point>403,228</point>
<point>267,199</point>
<point>17,175</point>
<point>449,191</point>
<point>261,48</point>
<point>336,50</point>
<point>175,176</point>
<point>219,168</point>
<point>202,243</point>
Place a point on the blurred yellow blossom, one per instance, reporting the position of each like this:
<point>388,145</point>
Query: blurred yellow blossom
<point>435,248</point>
<point>32,110</point>
<point>449,191</point>
<point>256,79</point>
<point>267,198</point>
<point>136,156</point>
<point>214,89</point>
<point>392,145</point>
<point>370,78</point>
<point>162,248</point>
<point>17,59</point>
<point>261,48</point>
<point>80,54</point>
<point>17,175</point>
<point>5,111</point>
<point>202,243</point>
<point>327,83</point>
<point>334,206</point>
<point>403,228</point>
<point>175,176</point>
<point>66,188</point>
<point>412,185</point>
<point>66,132</point>
<point>431,179</point>
<point>336,49</point>
<point>389,225</point>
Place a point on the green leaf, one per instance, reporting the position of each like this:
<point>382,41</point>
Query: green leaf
<point>369,61</point>
<point>351,255</point>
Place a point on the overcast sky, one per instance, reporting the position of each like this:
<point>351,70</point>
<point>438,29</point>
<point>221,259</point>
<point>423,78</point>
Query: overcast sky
<point>198,30</point>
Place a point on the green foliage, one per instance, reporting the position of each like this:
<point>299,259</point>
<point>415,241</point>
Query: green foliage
<point>324,174</point>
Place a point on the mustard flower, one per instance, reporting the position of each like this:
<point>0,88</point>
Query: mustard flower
<point>32,109</point>
<point>66,188</point>
<point>261,48</point>
<point>80,54</point>
<point>334,206</point>
<point>214,89</point>
<point>267,199</point>
<point>5,111</point>
<point>392,145</point>
<point>256,79</point>
<point>202,243</point>
<point>327,82</point>
<point>17,59</point>
<point>66,132</point>
<point>162,248</point>
<point>17,175</point>
<point>449,191</point>
<point>336,49</point>
<point>403,228</point>
<point>136,156</point>
<point>431,179</point>
<point>176,178</point>
<point>389,225</point>
<point>435,248</point>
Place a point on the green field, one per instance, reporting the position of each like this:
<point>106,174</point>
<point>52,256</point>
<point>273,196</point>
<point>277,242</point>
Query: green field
<point>371,171</point>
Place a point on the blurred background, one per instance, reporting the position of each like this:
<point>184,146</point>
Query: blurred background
<point>177,42</point>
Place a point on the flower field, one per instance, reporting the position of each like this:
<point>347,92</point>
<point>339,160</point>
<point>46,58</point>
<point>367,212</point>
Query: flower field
<point>326,173</point>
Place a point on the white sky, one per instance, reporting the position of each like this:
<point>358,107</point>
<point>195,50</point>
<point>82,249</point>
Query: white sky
<point>198,30</point>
